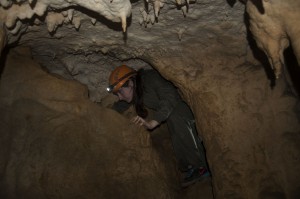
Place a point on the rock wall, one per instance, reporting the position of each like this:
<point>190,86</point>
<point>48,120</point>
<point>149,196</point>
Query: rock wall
<point>250,131</point>
<point>275,26</point>
<point>55,143</point>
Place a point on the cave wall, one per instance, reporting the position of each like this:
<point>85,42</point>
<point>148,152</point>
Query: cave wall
<point>49,126</point>
<point>56,143</point>
<point>250,129</point>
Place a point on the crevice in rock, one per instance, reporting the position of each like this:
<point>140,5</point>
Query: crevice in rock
<point>3,59</point>
<point>293,69</point>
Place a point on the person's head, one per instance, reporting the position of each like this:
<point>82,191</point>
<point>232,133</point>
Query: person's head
<point>126,83</point>
<point>121,83</point>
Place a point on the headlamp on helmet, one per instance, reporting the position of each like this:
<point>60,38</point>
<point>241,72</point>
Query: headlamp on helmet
<point>119,77</point>
<point>110,88</point>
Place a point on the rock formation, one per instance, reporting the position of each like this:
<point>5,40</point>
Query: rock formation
<point>56,143</point>
<point>275,25</point>
<point>249,122</point>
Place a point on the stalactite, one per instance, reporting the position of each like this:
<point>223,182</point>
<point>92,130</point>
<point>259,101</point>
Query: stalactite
<point>77,22</point>
<point>17,27</point>
<point>115,11</point>
<point>53,20</point>
<point>93,21</point>
<point>5,3</point>
<point>124,22</point>
<point>70,14</point>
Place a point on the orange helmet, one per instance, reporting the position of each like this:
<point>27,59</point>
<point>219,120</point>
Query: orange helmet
<point>118,77</point>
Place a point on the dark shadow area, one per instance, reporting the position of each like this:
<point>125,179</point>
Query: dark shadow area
<point>292,67</point>
<point>259,54</point>
<point>231,2</point>
<point>259,5</point>
<point>134,1</point>
<point>146,6</point>
<point>33,3</point>
<point>3,59</point>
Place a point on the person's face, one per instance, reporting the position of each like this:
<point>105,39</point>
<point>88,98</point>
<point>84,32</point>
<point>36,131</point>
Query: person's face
<point>126,93</point>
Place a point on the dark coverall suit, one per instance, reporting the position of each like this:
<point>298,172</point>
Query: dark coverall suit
<point>162,97</point>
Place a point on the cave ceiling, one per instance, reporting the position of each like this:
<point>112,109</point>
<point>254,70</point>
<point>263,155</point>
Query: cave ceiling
<point>172,22</point>
<point>76,38</point>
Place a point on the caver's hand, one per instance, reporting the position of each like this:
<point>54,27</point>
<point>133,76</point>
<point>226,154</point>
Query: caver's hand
<point>148,124</point>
